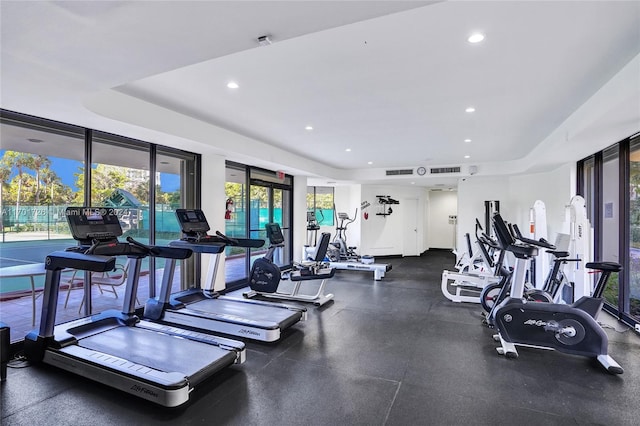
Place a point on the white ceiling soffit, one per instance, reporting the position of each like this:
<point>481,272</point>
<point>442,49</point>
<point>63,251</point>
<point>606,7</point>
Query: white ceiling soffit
<point>393,89</point>
<point>121,41</point>
<point>388,80</point>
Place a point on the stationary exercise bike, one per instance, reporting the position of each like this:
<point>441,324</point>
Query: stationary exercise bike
<point>552,290</point>
<point>571,329</point>
<point>265,277</point>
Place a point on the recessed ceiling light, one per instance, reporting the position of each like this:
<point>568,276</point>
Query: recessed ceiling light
<point>467,140</point>
<point>308,128</point>
<point>232,85</point>
<point>370,162</point>
<point>475,38</point>
<point>470,109</point>
<point>164,162</point>
<point>413,183</point>
<point>34,140</point>
<point>348,149</point>
<point>467,156</point>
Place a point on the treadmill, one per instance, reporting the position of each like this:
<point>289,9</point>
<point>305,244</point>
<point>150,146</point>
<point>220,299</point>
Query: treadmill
<point>208,311</point>
<point>158,363</point>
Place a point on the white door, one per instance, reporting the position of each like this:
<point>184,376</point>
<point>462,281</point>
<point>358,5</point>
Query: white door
<point>410,227</point>
<point>443,207</point>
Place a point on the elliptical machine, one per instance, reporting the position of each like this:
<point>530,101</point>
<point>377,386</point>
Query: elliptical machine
<point>341,251</point>
<point>313,226</point>
<point>571,329</point>
<point>265,277</point>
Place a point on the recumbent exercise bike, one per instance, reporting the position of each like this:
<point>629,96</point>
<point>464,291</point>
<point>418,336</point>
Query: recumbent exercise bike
<point>265,277</point>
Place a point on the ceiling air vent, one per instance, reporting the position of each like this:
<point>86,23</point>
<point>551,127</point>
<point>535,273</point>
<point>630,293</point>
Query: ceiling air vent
<point>439,170</point>
<point>399,172</point>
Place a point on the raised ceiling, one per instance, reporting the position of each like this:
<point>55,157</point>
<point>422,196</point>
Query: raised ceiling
<point>388,80</point>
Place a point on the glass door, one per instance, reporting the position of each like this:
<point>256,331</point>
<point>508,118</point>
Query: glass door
<point>236,258</point>
<point>255,197</point>
<point>260,213</point>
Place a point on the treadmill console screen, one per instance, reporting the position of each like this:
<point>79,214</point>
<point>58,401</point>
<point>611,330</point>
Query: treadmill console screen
<point>88,223</point>
<point>192,220</point>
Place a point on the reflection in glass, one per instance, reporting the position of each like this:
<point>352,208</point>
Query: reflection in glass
<point>38,169</point>
<point>634,236</point>
<point>610,218</point>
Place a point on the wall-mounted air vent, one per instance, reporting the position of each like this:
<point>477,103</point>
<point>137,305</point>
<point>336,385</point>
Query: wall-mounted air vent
<point>439,170</point>
<point>399,172</point>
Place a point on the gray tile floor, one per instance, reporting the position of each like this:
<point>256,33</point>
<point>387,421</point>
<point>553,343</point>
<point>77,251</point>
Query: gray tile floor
<point>393,352</point>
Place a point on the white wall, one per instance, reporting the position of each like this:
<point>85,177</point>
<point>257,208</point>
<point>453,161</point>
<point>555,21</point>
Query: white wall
<point>517,194</point>
<point>441,231</point>
<point>555,189</point>
<point>347,199</point>
<point>213,204</point>
<point>472,193</point>
<point>299,200</point>
<point>383,235</point>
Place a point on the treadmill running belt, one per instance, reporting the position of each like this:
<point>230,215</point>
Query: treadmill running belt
<point>277,317</point>
<point>160,351</point>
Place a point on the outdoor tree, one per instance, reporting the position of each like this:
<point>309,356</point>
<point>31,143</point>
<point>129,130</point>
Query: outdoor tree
<point>54,190</point>
<point>140,190</point>
<point>19,160</point>
<point>104,180</point>
<point>5,172</point>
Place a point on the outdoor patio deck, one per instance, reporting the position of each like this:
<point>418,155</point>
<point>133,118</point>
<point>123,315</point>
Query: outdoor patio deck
<point>17,312</point>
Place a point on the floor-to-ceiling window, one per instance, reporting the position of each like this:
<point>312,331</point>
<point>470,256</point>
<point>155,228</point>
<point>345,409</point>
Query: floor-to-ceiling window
<point>42,166</point>
<point>175,180</point>
<point>634,228</point>
<point>610,182</point>
<point>609,232</point>
<point>120,181</point>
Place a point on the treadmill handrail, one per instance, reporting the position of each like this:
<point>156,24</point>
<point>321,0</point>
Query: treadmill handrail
<point>60,259</point>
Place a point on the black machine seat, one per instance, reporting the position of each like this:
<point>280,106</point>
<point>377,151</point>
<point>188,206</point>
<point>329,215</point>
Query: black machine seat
<point>559,254</point>
<point>604,266</point>
<point>312,274</point>
<point>607,269</point>
<point>315,271</point>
